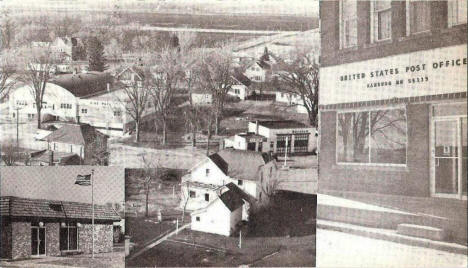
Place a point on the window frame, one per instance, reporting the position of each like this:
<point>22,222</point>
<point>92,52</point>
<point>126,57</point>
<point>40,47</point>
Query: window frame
<point>408,19</point>
<point>342,27</point>
<point>374,27</point>
<point>450,22</point>
<point>369,110</point>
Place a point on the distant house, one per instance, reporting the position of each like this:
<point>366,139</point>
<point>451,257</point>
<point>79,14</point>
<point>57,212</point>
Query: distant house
<point>246,141</point>
<point>222,215</point>
<point>130,75</point>
<point>240,86</point>
<point>258,71</point>
<point>201,97</point>
<point>244,169</point>
<point>291,99</point>
<point>80,139</point>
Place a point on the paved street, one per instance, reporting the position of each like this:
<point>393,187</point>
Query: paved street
<point>130,157</point>
<point>336,249</point>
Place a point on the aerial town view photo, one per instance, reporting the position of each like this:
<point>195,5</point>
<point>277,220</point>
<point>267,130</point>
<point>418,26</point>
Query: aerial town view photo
<point>303,133</point>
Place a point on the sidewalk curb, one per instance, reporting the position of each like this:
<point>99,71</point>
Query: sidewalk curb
<point>392,236</point>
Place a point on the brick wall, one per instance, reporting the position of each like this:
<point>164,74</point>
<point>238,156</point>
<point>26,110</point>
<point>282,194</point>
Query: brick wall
<point>439,36</point>
<point>52,238</point>
<point>103,238</point>
<point>21,240</point>
<point>5,237</point>
<point>412,180</point>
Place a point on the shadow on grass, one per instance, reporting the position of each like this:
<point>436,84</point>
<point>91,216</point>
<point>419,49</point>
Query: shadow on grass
<point>287,214</point>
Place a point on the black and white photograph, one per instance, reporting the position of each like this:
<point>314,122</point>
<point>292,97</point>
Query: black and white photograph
<point>62,216</point>
<point>273,133</point>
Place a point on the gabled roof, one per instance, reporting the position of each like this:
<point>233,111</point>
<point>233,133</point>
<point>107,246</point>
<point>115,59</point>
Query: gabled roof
<point>240,164</point>
<point>245,196</point>
<point>134,69</point>
<point>83,84</point>
<point>73,134</point>
<point>231,199</point>
<point>241,78</point>
<point>58,156</point>
<point>26,207</point>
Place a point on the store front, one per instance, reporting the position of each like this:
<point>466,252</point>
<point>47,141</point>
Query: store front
<point>396,125</point>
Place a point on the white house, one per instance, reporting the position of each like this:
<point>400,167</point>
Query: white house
<point>291,99</point>
<point>240,86</point>
<point>220,216</point>
<point>201,97</point>
<point>241,168</point>
<point>258,71</point>
<point>245,141</point>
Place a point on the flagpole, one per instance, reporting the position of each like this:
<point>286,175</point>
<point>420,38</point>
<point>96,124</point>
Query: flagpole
<point>92,204</point>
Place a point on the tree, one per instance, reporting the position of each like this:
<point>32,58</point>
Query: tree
<point>151,178</point>
<point>216,77</point>
<point>9,153</point>
<point>163,82</point>
<point>135,101</point>
<point>7,30</point>
<point>7,74</point>
<point>96,58</point>
<point>301,78</point>
<point>38,66</point>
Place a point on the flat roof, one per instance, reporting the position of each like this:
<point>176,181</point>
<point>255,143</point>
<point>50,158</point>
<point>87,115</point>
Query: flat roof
<point>280,124</point>
<point>250,134</point>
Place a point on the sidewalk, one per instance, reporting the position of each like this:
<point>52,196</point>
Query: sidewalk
<point>111,260</point>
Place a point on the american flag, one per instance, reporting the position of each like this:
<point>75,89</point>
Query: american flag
<point>83,180</point>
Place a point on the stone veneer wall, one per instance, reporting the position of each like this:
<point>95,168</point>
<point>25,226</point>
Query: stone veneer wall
<point>5,236</point>
<point>21,240</point>
<point>52,238</point>
<point>103,241</point>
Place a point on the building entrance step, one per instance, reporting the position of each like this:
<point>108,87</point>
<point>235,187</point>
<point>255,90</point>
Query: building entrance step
<point>428,232</point>
<point>392,236</point>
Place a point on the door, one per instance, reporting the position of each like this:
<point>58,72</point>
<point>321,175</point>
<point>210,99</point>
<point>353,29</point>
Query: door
<point>449,157</point>
<point>38,241</point>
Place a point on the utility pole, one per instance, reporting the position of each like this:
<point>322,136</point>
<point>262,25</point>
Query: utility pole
<point>17,127</point>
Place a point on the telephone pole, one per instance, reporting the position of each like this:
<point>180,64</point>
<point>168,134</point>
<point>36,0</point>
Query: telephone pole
<point>17,127</point>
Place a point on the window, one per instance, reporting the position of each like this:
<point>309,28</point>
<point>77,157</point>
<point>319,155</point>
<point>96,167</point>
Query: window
<point>117,113</point>
<point>192,194</point>
<point>207,197</point>
<point>372,137</point>
<point>456,12</point>
<point>417,16</point>
<point>239,182</point>
<point>65,106</point>
<point>207,172</point>
<point>348,23</point>
<point>381,20</point>
<point>84,111</point>
<point>197,218</point>
<point>68,236</point>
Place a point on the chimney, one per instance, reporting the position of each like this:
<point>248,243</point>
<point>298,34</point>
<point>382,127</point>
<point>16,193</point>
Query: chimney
<point>51,158</point>
<point>256,127</point>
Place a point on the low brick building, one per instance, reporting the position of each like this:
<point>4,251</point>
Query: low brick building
<point>39,227</point>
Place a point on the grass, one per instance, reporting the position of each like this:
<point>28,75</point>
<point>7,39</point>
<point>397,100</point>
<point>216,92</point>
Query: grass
<point>142,231</point>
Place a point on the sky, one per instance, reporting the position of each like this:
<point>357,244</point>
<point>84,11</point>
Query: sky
<point>288,7</point>
<point>58,183</point>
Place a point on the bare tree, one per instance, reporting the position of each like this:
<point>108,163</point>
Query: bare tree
<point>163,81</point>
<point>216,77</point>
<point>151,178</point>
<point>301,78</point>
<point>38,66</point>
<point>7,74</point>
<point>135,102</point>
<point>7,30</point>
<point>9,153</point>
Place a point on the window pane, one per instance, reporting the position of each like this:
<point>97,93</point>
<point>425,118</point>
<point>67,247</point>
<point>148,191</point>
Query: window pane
<point>353,131</point>
<point>420,20</point>
<point>348,23</point>
<point>457,12</point>
<point>385,24</point>
<point>382,4</point>
<point>388,138</point>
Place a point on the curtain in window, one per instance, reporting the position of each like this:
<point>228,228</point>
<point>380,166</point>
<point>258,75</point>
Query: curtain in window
<point>348,23</point>
<point>382,19</point>
<point>419,16</point>
<point>457,11</point>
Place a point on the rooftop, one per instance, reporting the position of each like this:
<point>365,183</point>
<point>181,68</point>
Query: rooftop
<point>73,134</point>
<point>26,207</point>
<point>281,124</point>
<point>240,164</point>
<point>231,199</point>
<point>58,156</point>
<point>83,84</point>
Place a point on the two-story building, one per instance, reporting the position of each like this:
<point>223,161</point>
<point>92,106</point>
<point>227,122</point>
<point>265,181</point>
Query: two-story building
<point>393,107</point>
<point>245,169</point>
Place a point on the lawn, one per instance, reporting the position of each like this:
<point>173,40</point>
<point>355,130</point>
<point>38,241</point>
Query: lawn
<point>143,230</point>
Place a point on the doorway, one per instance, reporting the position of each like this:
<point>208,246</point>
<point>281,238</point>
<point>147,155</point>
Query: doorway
<point>38,247</point>
<point>449,156</point>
